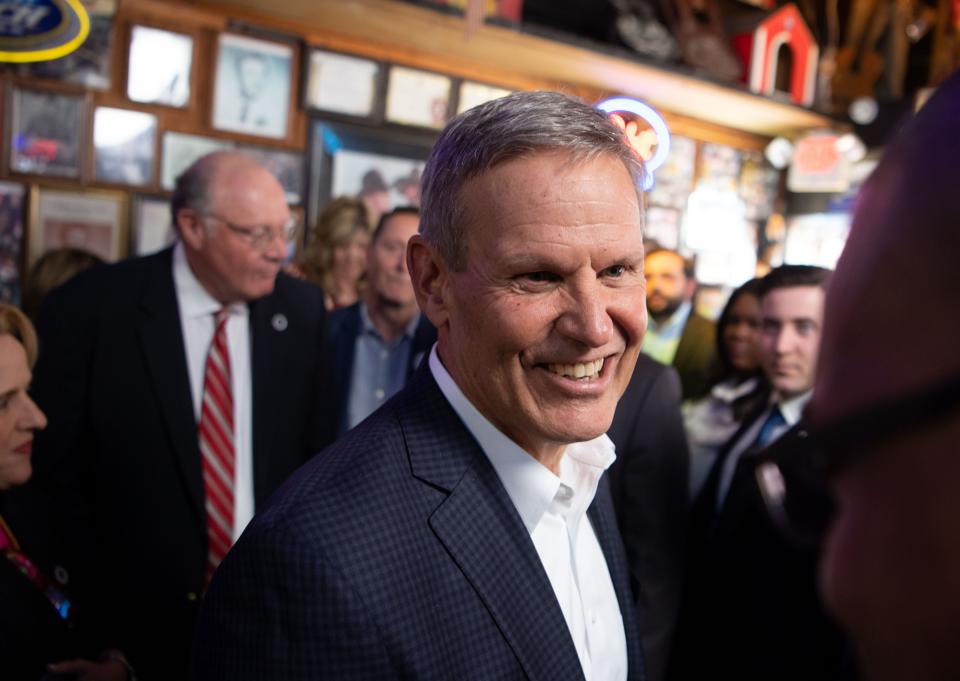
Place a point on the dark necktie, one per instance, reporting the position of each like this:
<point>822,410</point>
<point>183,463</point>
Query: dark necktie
<point>769,429</point>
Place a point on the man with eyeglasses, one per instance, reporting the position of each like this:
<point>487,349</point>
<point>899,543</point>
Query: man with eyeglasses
<point>884,423</point>
<point>182,388</point>
<point>750,605</point>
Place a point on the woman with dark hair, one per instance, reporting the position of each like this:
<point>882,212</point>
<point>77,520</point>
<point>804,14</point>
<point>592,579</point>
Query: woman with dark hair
<point>736,386</point>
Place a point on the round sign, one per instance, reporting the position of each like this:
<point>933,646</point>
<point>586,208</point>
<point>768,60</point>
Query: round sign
<point>40,30</point>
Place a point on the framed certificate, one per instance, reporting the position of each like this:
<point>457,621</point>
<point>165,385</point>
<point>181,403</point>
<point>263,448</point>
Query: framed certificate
<point>342,84</point>
<point>90,220</point>
<point>418,98</point>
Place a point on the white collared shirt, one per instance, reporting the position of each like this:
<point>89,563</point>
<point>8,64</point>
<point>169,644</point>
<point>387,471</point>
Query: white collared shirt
<point>791,409</point>
<point>197,321</point>
<point>553,509</point>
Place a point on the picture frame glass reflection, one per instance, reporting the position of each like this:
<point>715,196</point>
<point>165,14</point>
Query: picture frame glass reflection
<point>125,145</point>
<point>159,67</point>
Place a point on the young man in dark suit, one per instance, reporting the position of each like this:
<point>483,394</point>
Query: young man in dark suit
<point>464,530</point>
<point>182,388</point>
<point>377,343</point>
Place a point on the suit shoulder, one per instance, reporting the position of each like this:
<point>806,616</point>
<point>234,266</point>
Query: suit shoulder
<point>293,289</point>
<point>340,318</point>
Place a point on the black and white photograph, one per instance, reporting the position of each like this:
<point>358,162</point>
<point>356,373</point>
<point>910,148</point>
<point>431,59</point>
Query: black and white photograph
<point>45,133</point>
<point>89,65</point>
<point>383,182</point>
<point>286,166</point>
<point>180,150</point>
<point>11,241</point>
<point>252,86</point>
<point>158,70</point>
<point>124,145</point>
<point>341,83</point>
<point>152,225</point>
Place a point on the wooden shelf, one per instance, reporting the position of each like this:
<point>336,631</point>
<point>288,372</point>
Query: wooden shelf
<point>396,31</point>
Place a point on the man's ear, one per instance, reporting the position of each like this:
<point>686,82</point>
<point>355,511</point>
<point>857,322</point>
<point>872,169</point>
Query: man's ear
<point>191,229</point>
<point>429,274</point>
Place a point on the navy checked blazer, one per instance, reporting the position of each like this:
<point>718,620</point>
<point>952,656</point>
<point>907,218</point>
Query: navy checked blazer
<point>397,554</point>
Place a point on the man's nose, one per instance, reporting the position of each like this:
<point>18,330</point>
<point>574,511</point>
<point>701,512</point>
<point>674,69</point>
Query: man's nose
<point>587,320</point>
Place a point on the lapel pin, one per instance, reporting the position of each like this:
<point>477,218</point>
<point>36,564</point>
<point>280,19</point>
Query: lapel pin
<point>279,322</point>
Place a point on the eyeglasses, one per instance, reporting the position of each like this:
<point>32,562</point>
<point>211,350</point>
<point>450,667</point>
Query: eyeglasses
<point>260,237</point>
<point>793,475</point>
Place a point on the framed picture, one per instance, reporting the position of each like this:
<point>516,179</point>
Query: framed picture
<point>46,133</point>
<point>675,177</point>
<point>383,168</point>
<point>473,94</point>
<point>417,97</point>
<point>663,226</point>
<point>124,144</point>
<point>152,228</point>
<point>11,241</point>
<point>181,150</point>
<point>252,88</point>
<point>159,65</point>
<point>286,166</point>
<point>91,220</point>
<point>89,65</point>
<point>343,84</point>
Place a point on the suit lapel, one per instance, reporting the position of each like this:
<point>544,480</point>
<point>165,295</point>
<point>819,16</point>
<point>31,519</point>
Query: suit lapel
<point>161,337</point>
<point>603,520</point>
<point>482,532</point>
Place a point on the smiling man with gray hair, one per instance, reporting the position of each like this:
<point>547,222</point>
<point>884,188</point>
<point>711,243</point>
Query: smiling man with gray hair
<point>464,530</point>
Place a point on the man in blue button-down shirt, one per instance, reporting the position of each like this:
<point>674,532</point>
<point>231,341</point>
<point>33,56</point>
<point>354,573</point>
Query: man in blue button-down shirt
<point>377,342</point>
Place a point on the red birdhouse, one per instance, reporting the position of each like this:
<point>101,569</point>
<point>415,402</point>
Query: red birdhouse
<point>760,47</point>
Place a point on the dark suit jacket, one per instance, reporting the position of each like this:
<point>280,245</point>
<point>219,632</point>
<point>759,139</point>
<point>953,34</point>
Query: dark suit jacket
<point>695,355</point>
<point>648,482</point>
<point>121,451</point>
<point>751,610</point>
<point>396,553</point>
<point>343,327</point>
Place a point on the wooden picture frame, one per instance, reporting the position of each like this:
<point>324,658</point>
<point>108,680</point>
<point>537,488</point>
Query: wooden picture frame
<point>253,86</point>
<point>418,98</point>
<point>343,84</point>
<point>93,220</point>
<point>46,133</point>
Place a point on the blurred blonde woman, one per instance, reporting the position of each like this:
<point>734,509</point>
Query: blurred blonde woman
<point>336,257</point>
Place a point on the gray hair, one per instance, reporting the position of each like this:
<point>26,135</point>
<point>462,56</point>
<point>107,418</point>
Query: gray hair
<point>192,188</point>
<point>504,129</point>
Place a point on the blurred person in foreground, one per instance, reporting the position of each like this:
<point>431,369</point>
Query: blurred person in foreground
<point>884,417</point>
<point>737,384</point>
<point>465,530</point>
<point>182,388</point>
<point>336,257</point>
<point>377,343</point>
<point>38,622</point>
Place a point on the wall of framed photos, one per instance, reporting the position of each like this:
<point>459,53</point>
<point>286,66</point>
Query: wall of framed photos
<point>92,142</point>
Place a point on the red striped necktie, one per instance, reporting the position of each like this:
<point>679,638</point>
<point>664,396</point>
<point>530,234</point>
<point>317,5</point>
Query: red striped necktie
<point>217,447</point>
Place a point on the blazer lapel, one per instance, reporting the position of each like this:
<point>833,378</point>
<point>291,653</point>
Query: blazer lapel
<point>481,530</point>
<point>161,337</point>
<point>604,523</point>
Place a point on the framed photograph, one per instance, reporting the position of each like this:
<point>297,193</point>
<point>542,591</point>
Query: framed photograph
<point>341,83</point>
<point>674,179</point>
<point>473,94</point>
<point>91,220</point>
<point>89,65</point>
<point>381,167</point>
<point>46,133</point>
<point>286,166</point>
<point>152,228</point>
<point>11,241</point>
<point>181,150</point>
<point>159,65</point>
<point>124,146</point>
<point>663,226</point>
<point>417,97</point>
<point>252,88</point>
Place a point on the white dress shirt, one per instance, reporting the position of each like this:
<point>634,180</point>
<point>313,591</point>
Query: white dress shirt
<point>791,409</point>
<point>553,509</point>
<point>197,321</point>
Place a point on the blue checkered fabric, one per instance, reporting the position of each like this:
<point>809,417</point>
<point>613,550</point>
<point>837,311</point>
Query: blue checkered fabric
<point>396,553</point>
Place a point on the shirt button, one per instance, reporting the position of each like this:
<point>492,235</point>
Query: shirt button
<point>378,393</point>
